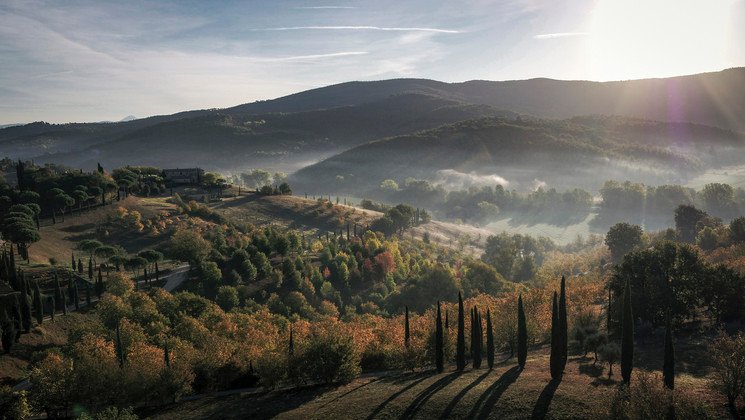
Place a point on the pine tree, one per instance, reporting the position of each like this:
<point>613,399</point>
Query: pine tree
<point>522,334</point>
<point>489,340</point>
<point>406,328</point>
<point>460,352</point>
<point>119,348</point>
<point>627,337</point>
<point>563,329</point>
<point>555,361</point>
<point>668,369</point>
<point>39,304</point>
<point>439,342</point>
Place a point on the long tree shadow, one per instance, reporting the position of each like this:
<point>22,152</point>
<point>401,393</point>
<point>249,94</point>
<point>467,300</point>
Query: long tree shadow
<point>425,395</point>
<point>393,396</point>
<point>544,400</point>
<point>461,394</point>
<point>486,402</point>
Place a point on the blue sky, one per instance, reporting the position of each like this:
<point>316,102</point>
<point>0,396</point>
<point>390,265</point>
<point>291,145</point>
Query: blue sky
<point>82,60</point>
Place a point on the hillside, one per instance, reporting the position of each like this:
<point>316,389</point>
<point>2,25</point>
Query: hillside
<point>579,152</point>
<point>288,132</point>
<point>317,217</point>
<point>504,393</point>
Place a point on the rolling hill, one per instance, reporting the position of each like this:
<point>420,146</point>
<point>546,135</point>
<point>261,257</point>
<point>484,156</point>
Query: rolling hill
<point>579,152</point>
<point>292,131</point>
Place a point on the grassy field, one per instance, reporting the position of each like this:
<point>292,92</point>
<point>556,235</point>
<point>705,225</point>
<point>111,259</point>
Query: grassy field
<point>13,366</point>
<point>58,240</point>
<point>310,215</point>
<point>504,392</point>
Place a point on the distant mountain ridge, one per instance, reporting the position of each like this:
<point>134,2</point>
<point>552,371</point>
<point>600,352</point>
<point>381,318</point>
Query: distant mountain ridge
<point>291,131</point>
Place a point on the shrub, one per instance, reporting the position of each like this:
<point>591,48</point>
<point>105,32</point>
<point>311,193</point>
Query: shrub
<point>647,398</point>
<point>728,355</point>
<point>330,357</point>
<point>271,367</point>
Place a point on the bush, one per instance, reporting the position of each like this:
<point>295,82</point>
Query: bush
<point>330,357</point>
<point>271,367</point>
<point>647,398</point>
<point>728,355</point>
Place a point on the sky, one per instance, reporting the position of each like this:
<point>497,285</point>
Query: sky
<point>86,60</point>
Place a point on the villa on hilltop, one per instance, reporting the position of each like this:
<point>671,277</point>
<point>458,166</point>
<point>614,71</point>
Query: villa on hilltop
<point>183,176</point>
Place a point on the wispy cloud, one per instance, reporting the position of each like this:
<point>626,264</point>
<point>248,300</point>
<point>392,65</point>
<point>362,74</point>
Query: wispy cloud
<point>361,28</point>
<point>560,35</point>
<point>313,56</point>
<point>324,7</point>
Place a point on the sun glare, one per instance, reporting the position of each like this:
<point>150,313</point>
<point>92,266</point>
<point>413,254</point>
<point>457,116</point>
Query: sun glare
<point>657,38</point>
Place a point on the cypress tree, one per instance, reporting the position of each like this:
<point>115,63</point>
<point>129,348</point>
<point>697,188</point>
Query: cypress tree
<point>477,339</point>
<point>555,361</point>
<point>26,317</point>
<point>75,295</point>
<point>39,304</point>
<point>90,269</point>
<point>460,351</point>
<point>668,369</point>
<point>166,356</point>
<point>439,351</point>
<point>522,334</point>
<point>80,266</point>
<point>99,284</point>
<point>472,343</point>
<point>627,336</point>
<point>406,328</point>
<point>72,261</point>
<point>489,340</point>
<point>563,329</point>
<point>8,332</point>
<point>119,348</point>
<point>608,312</point>
<point>291,346</point>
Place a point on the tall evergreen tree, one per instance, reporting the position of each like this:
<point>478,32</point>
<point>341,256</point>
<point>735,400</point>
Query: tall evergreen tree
<point>555,361</point>
<point>291,345</point>
<point>8,332</point>
<point>26,316</point>
<point>90,269</point>
<point>522,334</point>
<point>80,266</point>
<point>472,342</point>
<point>478,334</point>
<point>668,368</point>
<point>72,261</point>
<point>489,340</point>
<point>39,304</point>
<point>406,328</point>
<point>563,329</point>
<point>460,348</point>
<point>119,347</point>
<point>99,284</point>
<point>439,342</point>
<point>627,336</point>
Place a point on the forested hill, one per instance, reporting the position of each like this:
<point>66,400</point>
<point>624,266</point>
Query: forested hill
<point>323,121</point>
<point>283,141</point>
<point>579,152</point>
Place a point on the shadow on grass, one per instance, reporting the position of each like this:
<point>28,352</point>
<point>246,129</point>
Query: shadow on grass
<point>590,370</point>
<point>350,391</point>
<point>425,395</point>
<point>544,400</point>
<point>603,382</point>
<point>393,396</point>
<point>461,394</point>
<point>486,402</point>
